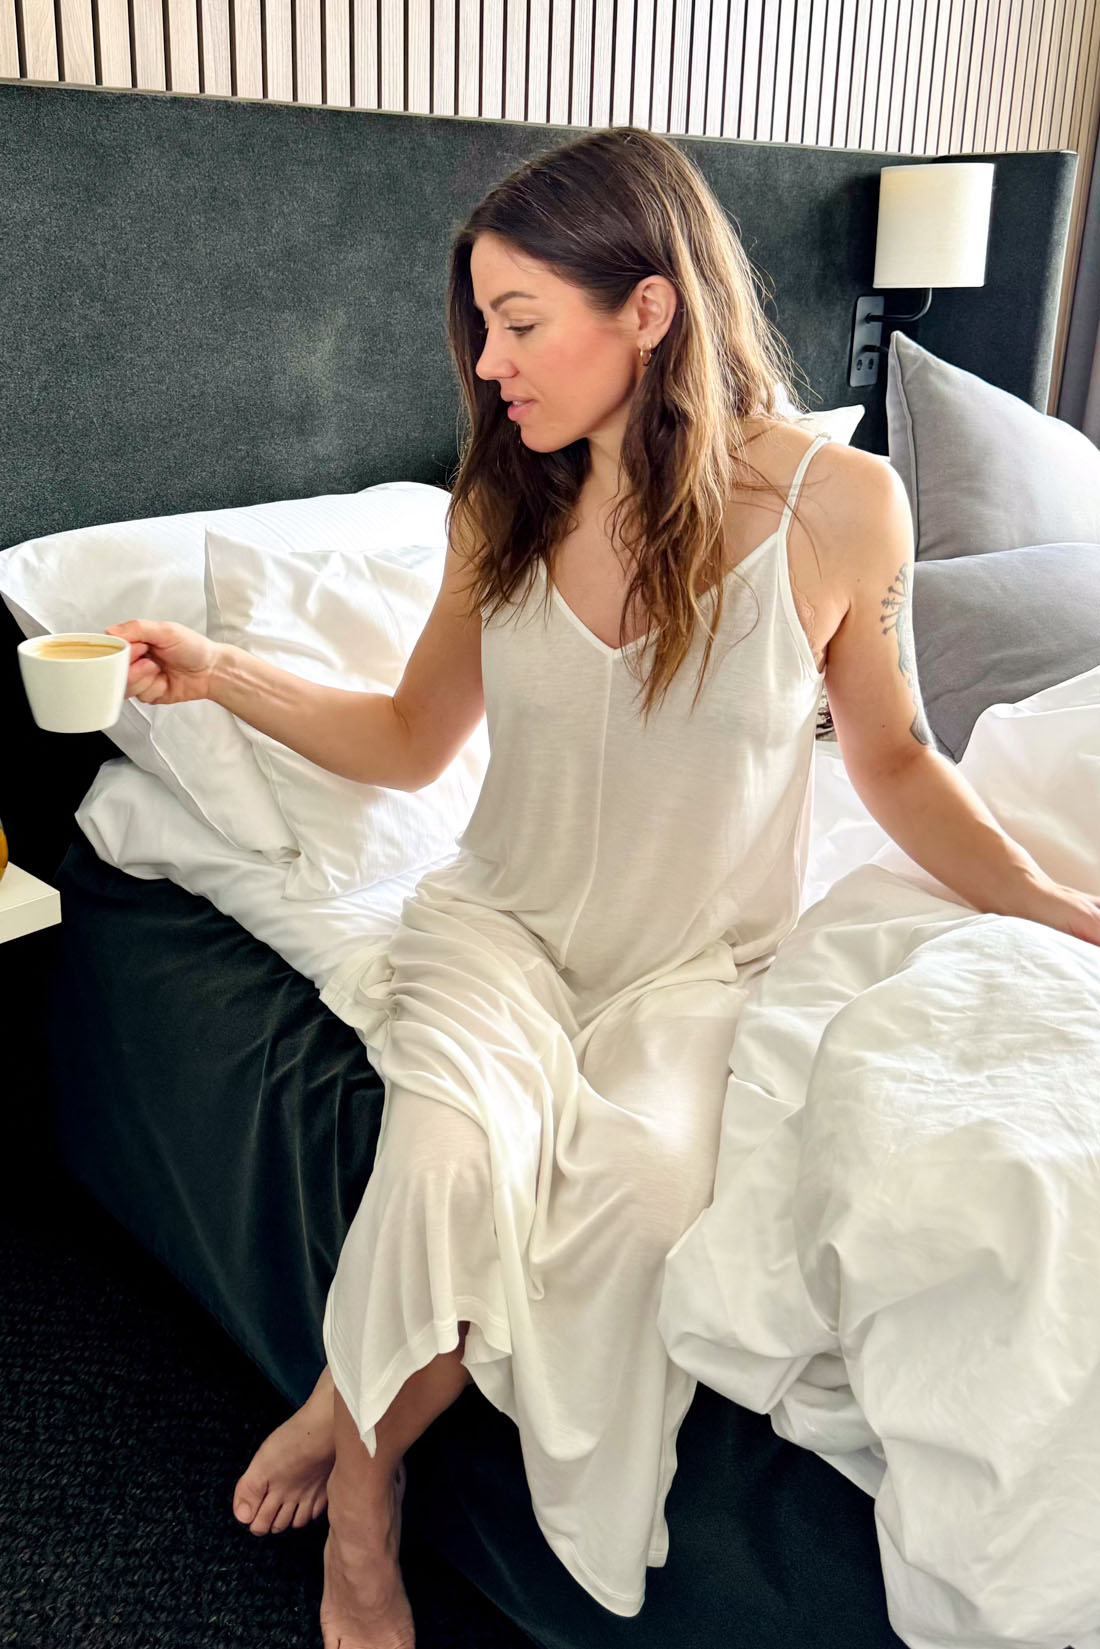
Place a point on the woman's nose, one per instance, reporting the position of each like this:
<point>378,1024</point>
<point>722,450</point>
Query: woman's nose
<point>491,364</point>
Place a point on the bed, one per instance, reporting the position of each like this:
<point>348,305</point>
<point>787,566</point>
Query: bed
<point>217,303</point>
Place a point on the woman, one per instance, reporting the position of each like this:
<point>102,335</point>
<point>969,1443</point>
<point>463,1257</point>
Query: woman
<point>557,1005</point>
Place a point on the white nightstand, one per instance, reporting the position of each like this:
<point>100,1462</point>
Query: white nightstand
<point>26,904</point>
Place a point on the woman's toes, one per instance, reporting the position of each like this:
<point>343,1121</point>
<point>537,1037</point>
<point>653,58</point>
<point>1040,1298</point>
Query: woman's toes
<point>303,1515</point>
<point>284,1517</point>
<point>265,1516</point>
<point>248,1497</point>
<point>289,1467</point>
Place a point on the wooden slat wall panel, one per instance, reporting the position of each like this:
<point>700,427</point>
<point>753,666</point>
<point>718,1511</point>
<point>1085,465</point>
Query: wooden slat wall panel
<point>537,102</point>
<point>711,125</point>
<point>1033,74</point>
<point>365,20</point>
<point>933,77</point>
<point>561,25</point>
<point>40,41</point>
<point>1057,100</point>
<point>653,112</point>
<point>307,51</point>
<point>248,46</point>
<point>799,103</point>
<point>625,23</point>
<point>580,81</point>
<point>515,58</point>
<point>216,60</point>
<point>832,68</point>
<point>600,112</point>
<point>492,60</point>
<point>183,45</point>
<point>695,67</point>
<point>850,108</point>
<point>113,40</point>
<point>76,45</point>
<point>906,76</point>
<point>148,24</point>
<point>444,61</point>
<point>418,59</point>
<point>1082,136</point>
<point>9,43</point>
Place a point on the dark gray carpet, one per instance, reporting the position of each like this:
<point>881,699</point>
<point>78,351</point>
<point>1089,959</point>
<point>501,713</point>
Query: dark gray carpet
<point>126,1415</point>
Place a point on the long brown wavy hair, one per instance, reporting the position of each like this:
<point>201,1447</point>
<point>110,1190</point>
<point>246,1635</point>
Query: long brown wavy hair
<point>603,213</point>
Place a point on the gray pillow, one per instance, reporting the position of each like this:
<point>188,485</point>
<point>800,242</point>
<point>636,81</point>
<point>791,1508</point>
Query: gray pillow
<point>993,629</point>
<point>984,470</point>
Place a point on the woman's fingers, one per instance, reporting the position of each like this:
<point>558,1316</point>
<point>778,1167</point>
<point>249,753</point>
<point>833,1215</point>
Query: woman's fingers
<point>148,691</point>
<point>146,680</point>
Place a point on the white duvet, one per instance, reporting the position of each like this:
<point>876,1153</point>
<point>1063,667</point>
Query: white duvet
<point>901,1263</point>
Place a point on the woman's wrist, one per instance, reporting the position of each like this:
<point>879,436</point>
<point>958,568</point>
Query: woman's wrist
<point>1016,889</point>
<point>231,676</point>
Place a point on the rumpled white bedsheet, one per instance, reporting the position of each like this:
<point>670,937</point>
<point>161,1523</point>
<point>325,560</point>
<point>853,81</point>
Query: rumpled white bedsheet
<point>901,1263</point>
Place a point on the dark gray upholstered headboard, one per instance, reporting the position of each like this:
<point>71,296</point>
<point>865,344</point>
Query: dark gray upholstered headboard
<point>210,302</point>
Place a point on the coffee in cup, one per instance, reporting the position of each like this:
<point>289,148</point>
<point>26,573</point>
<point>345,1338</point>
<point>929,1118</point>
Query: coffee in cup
<point>54,648</point>
<point>75,682</point>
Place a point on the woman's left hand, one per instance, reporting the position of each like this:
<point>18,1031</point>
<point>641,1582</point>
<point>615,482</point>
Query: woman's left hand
<point>1063,908</point>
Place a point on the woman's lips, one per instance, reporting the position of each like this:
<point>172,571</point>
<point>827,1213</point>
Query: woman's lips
<point>516,409</point>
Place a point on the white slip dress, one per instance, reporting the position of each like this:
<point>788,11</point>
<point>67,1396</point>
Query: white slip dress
<point>552,1020</point>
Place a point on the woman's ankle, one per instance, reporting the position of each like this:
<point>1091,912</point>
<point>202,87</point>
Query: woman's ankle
<point>364,1509</point>
<point>323,1392</point>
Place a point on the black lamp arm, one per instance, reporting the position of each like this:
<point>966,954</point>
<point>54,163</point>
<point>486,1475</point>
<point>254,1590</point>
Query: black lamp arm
<point>883,349</point>
<point>923,310</point>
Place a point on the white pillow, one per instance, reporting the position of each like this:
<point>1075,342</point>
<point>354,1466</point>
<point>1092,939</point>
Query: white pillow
<point>90,577</point>
<point>838,422</point>
<point>344,617</point>
<point>1036,765</point>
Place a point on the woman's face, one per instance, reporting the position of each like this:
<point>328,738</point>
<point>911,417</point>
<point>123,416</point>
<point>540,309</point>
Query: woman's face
<point>550,347</point>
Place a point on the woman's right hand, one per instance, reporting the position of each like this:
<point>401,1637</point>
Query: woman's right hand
<point>169,664</point>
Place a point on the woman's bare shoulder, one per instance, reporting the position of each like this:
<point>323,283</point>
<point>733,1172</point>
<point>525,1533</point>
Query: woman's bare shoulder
<point>763,474</point>
<point>853,490</point>
<point>841,483</point>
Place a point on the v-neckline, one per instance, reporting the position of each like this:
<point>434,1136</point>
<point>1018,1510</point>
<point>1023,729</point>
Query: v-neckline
<point>618,652</point>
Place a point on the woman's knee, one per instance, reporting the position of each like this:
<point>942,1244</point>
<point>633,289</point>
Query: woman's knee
<point>659,1198</point>
<point>428,1145</point>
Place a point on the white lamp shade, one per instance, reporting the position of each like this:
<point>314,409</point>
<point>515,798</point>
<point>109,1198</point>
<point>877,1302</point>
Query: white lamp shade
<point>933,224</point>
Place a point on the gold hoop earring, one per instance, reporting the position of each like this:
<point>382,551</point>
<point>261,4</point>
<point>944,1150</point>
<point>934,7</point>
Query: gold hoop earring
<point>645,353</point>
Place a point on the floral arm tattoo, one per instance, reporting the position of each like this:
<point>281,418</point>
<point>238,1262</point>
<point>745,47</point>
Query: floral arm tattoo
<point>897,615</point>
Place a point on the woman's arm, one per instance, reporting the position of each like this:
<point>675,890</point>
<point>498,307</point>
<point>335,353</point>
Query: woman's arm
<point>918,797</point>
<point>402,740</point>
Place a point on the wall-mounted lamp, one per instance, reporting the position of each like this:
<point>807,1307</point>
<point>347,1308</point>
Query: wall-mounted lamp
<point>933,230</point>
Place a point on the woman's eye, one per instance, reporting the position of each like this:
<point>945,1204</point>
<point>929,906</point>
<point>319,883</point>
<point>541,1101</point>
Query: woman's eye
<point>519,329</point>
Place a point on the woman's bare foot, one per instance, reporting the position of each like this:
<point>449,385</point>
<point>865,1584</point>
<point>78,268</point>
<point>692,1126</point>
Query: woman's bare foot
<point>364,1605</point>
<point>286,1482</point>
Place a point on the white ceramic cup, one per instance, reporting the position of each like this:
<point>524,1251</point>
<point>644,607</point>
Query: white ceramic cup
<point>75,695</point>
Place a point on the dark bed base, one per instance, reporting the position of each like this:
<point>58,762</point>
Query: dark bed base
<point>156,1111</point>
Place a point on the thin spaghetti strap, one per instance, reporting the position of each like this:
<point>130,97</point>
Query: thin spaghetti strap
<point>783,567</point>
<point>792,496</point>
